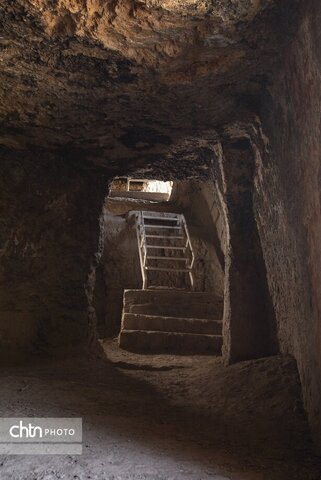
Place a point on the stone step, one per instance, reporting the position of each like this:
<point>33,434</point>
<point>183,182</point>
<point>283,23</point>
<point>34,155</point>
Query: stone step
<point>170,342</point>
<point>167,296</point>
<point>192,310</point>
<point>132,321</point>
<point>173,303</point>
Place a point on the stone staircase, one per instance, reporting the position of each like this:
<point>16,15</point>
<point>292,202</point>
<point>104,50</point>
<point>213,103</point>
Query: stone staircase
<point>171,321</point>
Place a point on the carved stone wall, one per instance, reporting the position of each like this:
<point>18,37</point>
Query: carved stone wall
<point>49,239</point>
<point>289,204</point>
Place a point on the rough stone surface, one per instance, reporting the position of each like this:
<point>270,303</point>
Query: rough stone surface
<point>46,255</point>
<point>117,81</point>
<point>289,205</point>
<point>249,322</point>
<point>93,89</point>
<point>161,417</point>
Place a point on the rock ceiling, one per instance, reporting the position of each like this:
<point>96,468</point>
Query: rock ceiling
<point>113,80</point>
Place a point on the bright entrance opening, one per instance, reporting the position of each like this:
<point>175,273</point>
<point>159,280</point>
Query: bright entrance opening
<point>155,190</point>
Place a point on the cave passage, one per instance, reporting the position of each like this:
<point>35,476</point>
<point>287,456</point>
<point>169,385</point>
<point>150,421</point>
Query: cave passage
<point>183,258</point>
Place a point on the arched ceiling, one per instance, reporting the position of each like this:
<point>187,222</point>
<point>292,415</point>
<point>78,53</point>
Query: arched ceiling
<point>119,80</point>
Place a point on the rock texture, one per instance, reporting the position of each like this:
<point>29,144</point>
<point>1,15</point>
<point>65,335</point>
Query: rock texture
<point>93,89</point>
<point>49,250</point>
<point>111,81</point>
<point>289,205</point>
<point>249,322</point>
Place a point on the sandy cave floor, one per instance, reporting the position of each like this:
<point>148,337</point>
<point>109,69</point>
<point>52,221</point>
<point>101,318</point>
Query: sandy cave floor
<point>162,417</point>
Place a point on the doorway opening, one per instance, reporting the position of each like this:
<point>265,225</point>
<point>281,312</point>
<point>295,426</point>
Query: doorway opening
<point>162,270</point>
<point>141,189</point>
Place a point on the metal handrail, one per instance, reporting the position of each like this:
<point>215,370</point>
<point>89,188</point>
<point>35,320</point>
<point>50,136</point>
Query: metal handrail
<point>140,242</point>
<point>188,244</point>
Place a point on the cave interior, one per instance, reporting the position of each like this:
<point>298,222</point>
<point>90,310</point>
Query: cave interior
<point>218,103</point>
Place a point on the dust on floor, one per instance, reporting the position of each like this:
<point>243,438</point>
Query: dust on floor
<point>163,417</point>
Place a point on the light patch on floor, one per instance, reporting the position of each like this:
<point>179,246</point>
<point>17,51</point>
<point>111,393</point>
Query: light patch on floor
<point>165,417</point>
